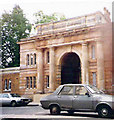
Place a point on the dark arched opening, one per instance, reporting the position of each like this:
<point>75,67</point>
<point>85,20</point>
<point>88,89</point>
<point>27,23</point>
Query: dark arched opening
<point>70,69</point>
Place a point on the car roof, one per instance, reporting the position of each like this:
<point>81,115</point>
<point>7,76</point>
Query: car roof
<point>4,93</point>
<point>74,85</point>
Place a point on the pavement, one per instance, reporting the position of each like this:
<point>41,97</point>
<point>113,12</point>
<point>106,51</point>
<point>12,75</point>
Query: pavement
<point>34,104</point>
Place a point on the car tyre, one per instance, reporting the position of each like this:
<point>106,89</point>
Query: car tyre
<point>13,104</point>
<point>54,110</point>
<point>104,111</point>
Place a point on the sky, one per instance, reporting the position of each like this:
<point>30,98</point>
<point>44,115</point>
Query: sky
<point>70,8</point>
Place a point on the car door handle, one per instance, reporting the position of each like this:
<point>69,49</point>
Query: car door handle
<point>75,96</point>
<point>59,96</point>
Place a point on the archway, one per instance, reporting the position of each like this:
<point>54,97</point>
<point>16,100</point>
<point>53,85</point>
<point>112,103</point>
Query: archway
<point>70,69</point>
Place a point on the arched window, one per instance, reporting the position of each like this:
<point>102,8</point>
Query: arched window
<point>27,59</point>
<point>30,82</point>
<point>35,58</point>
<point>31,59</point>
<point>93,52</point>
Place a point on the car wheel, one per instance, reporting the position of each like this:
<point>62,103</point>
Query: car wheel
<point>13,104</point>
<point>54,110</point>
<point>104,111</point>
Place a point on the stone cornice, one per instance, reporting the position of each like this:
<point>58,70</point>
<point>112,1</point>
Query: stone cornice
<point>68,33</point>
<point>70,43</point>
<point>10,70</point>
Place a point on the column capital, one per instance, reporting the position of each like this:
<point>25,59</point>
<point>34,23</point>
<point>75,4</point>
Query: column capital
<point>100,41</point>
<point>52,47</point>
<point>84,43</point>
<point>40,49</point>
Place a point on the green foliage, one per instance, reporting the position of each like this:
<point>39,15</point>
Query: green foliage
<point>43,18</point>
<point>13,27</point>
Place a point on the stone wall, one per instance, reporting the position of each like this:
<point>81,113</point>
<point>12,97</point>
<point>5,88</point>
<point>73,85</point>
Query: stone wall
<point>10,74</point>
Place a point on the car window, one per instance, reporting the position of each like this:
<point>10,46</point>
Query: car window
<point>67,90</point>
<point>5,96</point>
<point>15,95</point>
<point>80,90</point>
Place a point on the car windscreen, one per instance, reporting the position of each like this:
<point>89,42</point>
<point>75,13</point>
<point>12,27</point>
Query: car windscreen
<point>15,95</point>
<point>57,90</point>
<point>94,89</point>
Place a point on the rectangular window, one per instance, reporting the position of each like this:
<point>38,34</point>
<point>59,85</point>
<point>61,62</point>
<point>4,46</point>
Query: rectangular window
<point>27,82</point>
<point>47,78</point>
<point>30,82</point>
<point>35,59</point>
<point>27,59</point>
<point>94,78</point>
<point>34,82</point>
<point>48,57</point>
<point>93,52</point>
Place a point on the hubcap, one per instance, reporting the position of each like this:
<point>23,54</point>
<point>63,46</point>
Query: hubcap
<point>54,109</point>
<point>13,104</point>
<point>104,111</point>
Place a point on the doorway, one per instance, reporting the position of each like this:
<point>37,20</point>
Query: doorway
<point>70,69</point>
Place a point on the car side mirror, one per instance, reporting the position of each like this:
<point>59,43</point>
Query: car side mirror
<point>87,94</point>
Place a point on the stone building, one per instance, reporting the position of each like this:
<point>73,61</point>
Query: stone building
<point>9,79</point>
<point>76,50</point>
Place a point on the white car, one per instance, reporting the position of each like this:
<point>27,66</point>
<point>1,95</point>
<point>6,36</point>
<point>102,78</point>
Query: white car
<point>13,99</point>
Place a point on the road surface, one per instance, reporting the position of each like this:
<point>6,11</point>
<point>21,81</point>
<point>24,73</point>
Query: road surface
<point>35,112</point>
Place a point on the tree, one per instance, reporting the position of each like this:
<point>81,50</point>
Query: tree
<point>44,18</point>
<point>13,27</point>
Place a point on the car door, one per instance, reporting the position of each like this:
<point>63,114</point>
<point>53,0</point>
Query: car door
<point>65,97</point>
<point>5,99</point>
<point>81,100</point>
<point>0,99</point>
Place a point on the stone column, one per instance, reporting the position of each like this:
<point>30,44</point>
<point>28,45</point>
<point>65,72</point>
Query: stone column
<point>100,65</point>
<point>85,64</point>
<point>40,70</point>
<point>51,70</point>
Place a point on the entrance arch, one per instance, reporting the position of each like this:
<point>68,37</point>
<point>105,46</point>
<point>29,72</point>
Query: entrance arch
<point>70,69</point>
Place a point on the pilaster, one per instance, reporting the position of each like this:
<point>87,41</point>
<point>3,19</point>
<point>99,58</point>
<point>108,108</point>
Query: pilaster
<point>52,70</point>
<point>40,70</point>
<point>100,65</point>
<point>85,64</point>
